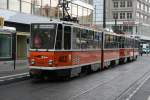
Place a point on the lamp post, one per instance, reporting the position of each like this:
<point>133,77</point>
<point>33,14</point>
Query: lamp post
<point>115,24</point>
<point>104,13</point>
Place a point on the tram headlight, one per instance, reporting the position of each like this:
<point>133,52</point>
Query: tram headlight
<point>32,61</point>
<point>50,62</point>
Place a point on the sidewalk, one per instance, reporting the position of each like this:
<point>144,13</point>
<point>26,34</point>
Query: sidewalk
<point>8,73</point>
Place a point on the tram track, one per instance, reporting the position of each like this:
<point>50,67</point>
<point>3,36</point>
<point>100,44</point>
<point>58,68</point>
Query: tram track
<point>90,89</point>
<point>134,87</point>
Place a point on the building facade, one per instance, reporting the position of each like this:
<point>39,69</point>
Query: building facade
<point>129,16</point>
<point>20,13</point>
<point>98,11</point>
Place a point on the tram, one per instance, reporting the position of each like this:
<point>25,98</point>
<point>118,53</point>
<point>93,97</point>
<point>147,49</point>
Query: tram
<point>67,49</point>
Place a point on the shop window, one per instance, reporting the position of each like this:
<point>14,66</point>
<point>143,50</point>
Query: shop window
<point>6,46</point>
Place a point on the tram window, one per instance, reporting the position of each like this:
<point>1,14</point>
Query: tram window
<point>98,39</point>
<point>122,42</point>
<point>67,37</point>
<point>130,43</point>
<point>76,38</point>
<point>115,42</point>
<point>126,41</point>
<point>119,41</point>
<point>59,37</point>
<point>107,41</point>
<point>111,41</point>
<point>90,40</point>
<point>84,38</point>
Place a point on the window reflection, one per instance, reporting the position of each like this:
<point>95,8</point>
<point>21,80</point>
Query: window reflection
<point>26,7</point>
<point>49,8</point>
<point>3,4</point>
<point>14,5</point>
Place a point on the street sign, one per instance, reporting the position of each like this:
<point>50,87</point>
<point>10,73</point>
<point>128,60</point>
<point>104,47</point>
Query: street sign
<point>1,21</point>
<point>128,23</point>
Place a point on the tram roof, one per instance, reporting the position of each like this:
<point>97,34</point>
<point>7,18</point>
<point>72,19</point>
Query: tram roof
<point>111,33</point>
<point>67,23</point>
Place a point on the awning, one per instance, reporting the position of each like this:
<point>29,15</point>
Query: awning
<point>17,17</point>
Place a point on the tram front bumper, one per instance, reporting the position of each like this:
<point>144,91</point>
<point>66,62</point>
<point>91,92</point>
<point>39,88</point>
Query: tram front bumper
<point>39,72</point>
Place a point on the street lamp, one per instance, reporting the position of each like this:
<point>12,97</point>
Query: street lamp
<point>104,13</point>
<point>115,24</point>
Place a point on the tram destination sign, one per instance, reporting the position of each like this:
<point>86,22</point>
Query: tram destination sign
<point>46,26</point>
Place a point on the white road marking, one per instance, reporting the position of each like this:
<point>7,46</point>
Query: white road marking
<point>141,84</point>
<point>148,98</point>
<point>9,76</point>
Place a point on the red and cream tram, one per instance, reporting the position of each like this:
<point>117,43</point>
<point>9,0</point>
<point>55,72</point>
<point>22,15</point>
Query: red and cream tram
<point>65,49</point>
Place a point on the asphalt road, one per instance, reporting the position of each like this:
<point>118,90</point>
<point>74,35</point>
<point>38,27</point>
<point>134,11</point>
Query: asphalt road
<point>111,84</point>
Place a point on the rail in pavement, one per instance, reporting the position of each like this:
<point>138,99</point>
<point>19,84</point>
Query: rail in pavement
<point>9,75</point>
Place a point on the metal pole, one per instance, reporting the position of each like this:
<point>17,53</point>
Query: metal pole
<point>115,24</point>
<point>7,4</point>
<point>14,50</point>
<point>95,14</point>
<point>104,13</point>
<point>50,10</point>
<point>63,5</point>
<point>20,4</point>
<point>104,26</point>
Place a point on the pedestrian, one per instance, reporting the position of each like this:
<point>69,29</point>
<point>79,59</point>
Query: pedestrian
<point>147,51</point>
<point>140,51</point>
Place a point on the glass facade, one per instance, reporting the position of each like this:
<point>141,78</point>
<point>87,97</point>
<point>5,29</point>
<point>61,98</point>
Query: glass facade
<point>98,14</point>
<point>5,42</point>
<point>49,8</point>
<point>3,4</point>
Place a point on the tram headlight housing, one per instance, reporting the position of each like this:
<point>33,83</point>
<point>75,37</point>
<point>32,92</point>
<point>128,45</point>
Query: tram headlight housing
<point>50,62</point>
<point>32,61</point>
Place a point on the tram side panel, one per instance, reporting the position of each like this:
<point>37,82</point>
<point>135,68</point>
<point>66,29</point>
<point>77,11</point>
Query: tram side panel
<point>85,58</point>
<point>111,57</point>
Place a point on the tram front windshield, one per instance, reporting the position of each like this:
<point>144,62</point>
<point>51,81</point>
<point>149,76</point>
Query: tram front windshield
<point>43,36</point>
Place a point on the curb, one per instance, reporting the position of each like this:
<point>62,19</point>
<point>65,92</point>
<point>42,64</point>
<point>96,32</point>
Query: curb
<point>14,78</point>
